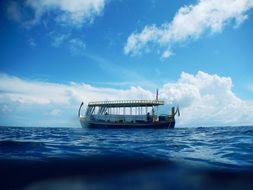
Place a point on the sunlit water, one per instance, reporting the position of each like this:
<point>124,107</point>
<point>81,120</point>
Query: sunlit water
<point>64,158</point>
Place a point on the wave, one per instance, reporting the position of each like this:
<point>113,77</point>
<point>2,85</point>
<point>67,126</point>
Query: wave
<point>10,145</point>
<point>117,171</point>
<point>169,156</point>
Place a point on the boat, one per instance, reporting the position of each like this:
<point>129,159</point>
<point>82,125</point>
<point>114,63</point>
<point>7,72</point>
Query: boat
<point>127,114</point>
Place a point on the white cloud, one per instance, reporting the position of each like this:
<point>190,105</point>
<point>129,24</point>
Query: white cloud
<point>56,112</point>
<point>57,38</point>
<point>207,100</point>
<point>204,100</point>
<point>190,22</point>
<point>166,54</point>
<point>22,91</point>
<point>137,41</point>
<point>31,102</point>
<point>74,12</point>
<point>77,46</point>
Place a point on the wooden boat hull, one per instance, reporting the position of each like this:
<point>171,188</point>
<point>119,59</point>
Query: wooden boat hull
<point>155,125</point>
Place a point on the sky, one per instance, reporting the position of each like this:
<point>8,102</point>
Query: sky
<point>57,53</point>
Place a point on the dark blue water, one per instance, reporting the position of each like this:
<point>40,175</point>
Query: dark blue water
<point>181,158</point>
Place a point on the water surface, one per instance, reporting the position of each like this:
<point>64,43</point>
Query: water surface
<point>75,158</point>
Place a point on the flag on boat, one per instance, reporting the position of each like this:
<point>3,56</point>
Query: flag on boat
<point>156,95</point>
<point>177,111</point>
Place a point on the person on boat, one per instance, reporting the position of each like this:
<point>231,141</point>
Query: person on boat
<point>148,117</point>
<point>153,114</point>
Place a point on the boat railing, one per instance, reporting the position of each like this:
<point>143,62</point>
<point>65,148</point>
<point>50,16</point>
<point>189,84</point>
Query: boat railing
<point>117,118</point>
<point>123,102</point>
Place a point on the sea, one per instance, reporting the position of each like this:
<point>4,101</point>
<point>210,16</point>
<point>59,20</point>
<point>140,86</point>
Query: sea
<point>40,158</point>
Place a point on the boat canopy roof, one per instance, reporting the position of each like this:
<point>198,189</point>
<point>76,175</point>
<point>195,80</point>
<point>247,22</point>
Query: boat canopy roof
<point>127,103</point>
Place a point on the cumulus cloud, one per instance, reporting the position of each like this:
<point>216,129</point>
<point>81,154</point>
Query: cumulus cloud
<point>190,22</point>
<point>62,13</point>
<point>75,12</point>
<point>207,100</point>
<point>31,92</point>
<point>32,102</point>
<point>204,99</point>
<point>43,93</point>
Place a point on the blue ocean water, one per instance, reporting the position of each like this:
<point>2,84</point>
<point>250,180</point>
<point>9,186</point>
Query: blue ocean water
<point>75,158</point>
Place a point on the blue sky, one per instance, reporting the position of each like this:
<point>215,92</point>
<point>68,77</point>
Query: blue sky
<point>56,54</point>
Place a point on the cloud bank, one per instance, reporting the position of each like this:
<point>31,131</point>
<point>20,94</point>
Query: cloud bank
<point>204,99</point>
<point>207,100</point>
<point>189,23</point>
